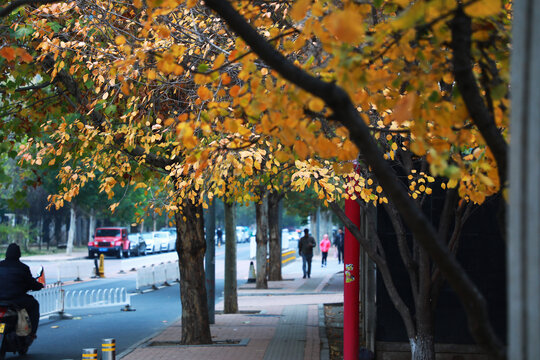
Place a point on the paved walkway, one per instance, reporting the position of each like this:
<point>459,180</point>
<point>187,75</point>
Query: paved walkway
<point>283,322</point>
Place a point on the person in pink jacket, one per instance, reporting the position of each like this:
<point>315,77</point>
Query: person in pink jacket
<point>325,246</point>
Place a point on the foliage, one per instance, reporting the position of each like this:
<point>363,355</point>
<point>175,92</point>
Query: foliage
<point>20,234</point>
<point>162,95</point>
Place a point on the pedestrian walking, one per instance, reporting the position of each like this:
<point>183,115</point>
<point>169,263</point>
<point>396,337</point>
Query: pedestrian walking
<point>219,234</point>
<point>339,242</point>
<point>305,248</point>
<point>324,246</point>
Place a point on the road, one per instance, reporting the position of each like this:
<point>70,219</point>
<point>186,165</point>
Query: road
<point>65,339</point>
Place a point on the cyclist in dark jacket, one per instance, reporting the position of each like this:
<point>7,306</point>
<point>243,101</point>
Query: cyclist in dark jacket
<point>15,281</point>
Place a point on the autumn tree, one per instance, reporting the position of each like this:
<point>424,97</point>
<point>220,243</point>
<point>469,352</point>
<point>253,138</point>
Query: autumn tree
<point>385,73</point>
<point>434,69</point>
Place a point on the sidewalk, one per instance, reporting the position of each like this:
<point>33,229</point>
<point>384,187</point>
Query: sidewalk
<point>283,322</point>
<point>60,256</point>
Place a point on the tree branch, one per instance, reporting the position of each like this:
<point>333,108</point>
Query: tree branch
<point>470,93</point>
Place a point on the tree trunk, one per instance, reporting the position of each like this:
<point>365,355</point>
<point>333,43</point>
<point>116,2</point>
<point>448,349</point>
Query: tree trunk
<point>71,231</point>
<point>262,242</point>
<point>230,295</point>
<point>422,347</point>
<point>314,229</point>
<point>275,243</point>
<point>91,225</point>
<point>191,246</point>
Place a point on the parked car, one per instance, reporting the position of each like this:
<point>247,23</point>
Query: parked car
<point>110,241</point>
<point>161,239</point>
<point>137,244</point>
<point>172,237</point>
<point>150,242</point>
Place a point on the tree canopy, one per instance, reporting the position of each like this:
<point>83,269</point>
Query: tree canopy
<point>195,96</point>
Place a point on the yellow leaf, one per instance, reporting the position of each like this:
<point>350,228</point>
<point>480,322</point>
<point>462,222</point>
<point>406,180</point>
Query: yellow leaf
<point>282,156</point>
<point>484,8</point>
<point>219,60</point>
<point>299,9</point>
<point>346,26</point>
<point>316,105</point>
<point>120,40</point>
<point>448,78</point>
<point>139,186</point>
<point>402,3</point>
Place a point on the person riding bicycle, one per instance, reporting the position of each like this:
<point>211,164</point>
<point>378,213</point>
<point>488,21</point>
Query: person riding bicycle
<point>15,281</point>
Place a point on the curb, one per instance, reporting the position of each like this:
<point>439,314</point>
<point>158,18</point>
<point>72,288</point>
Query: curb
<point>139,343</point>
<point>325,350</point>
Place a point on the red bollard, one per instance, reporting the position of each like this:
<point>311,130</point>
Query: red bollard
<point>351,286</point>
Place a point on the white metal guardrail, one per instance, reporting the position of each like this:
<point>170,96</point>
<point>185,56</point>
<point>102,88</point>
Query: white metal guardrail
<point>80,299</point>
<point>50,299</point>
<point>162,274</point>
<point>53,299</point>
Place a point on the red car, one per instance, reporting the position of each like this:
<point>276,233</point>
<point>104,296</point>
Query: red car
<point>110,241</point>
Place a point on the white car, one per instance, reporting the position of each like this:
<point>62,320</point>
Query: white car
<point>172,237</point>
<point>150,243</point>
<point>161,239</point>
<point>172,241</point>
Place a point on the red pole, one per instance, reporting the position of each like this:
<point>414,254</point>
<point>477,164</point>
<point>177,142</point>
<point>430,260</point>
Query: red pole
<point>351,286</point>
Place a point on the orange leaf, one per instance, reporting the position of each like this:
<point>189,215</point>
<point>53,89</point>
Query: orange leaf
<point>24,55</point>
<point>204,93</point>
<point>301,149</point>
<point>225,79</point>
<point>234,91</point>
<point>8,53</point>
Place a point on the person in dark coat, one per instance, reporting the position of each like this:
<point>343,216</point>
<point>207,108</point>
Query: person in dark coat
<point>305,248</point>
<point>339,242</point>
<point>15,281</point>
<point>219,234</point>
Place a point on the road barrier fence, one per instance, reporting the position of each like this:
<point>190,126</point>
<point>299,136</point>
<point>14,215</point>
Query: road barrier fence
<point>50,299</point>
<point>156,275</point>
<point>81,299</point>
<point>54,299</point>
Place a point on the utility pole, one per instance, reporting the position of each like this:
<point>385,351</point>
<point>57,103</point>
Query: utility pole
<point>523,261</point>
<point>210,262</point>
